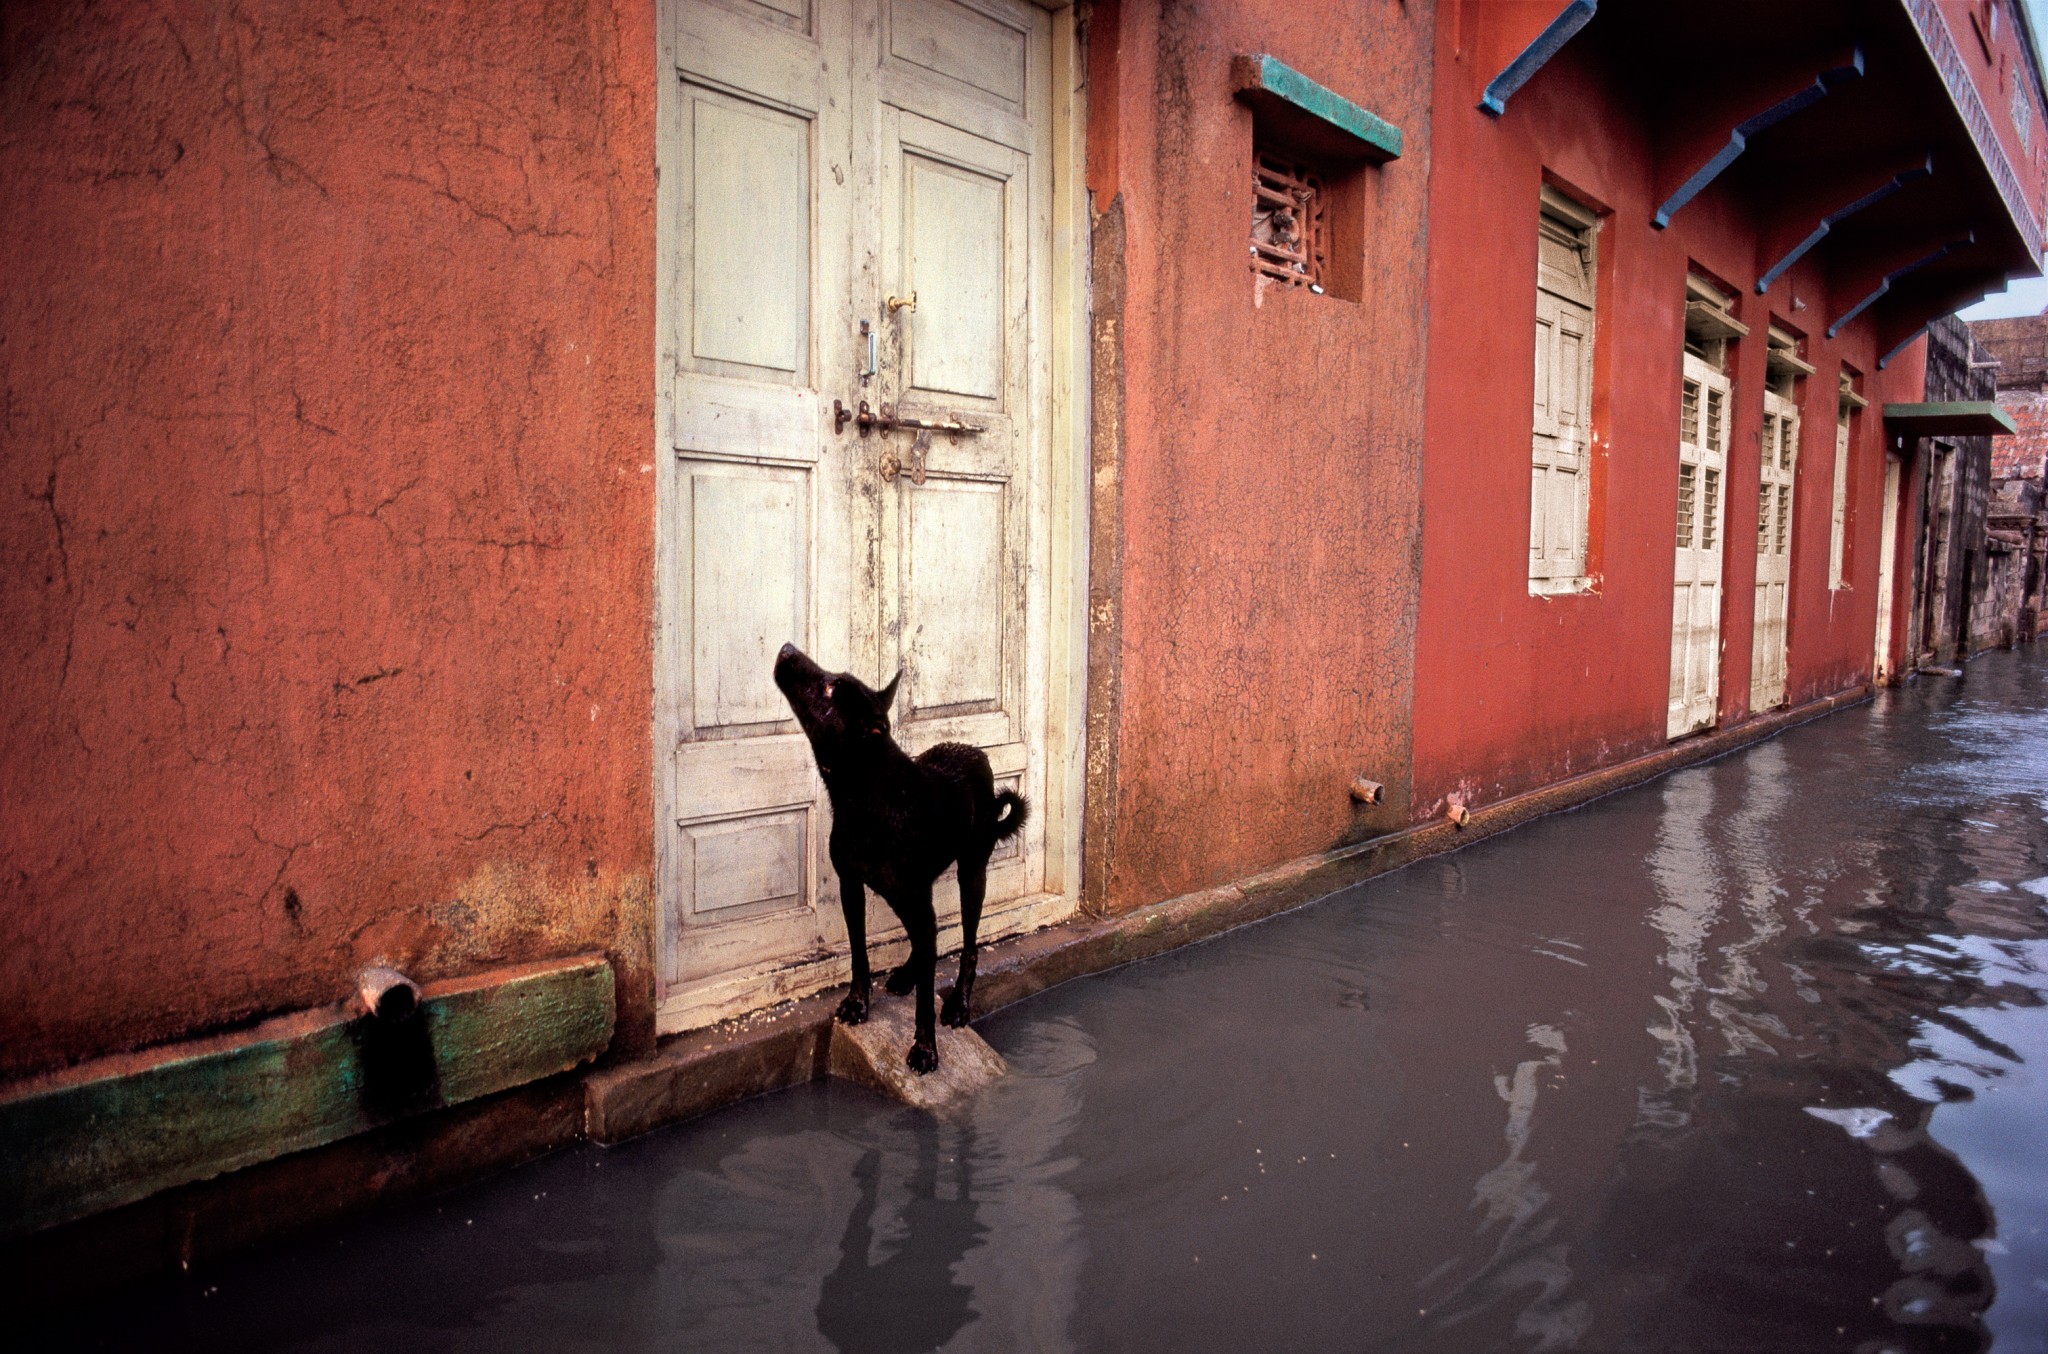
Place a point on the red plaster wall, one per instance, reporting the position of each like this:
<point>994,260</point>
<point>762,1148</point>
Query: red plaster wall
<point>325,389</point>
<point>1514,691</point>
<point>1270,446</point>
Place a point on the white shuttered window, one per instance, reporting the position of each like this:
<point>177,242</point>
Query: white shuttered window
<point>1839,521</point>
<point>1561,442</point>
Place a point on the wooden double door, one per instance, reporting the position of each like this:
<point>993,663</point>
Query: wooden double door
<point>856,239</point>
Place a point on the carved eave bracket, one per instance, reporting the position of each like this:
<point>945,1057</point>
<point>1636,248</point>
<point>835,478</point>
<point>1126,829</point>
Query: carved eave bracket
<point>1891,277</point>
<point>1906,314</point>
<point>1560,30</point>
<point>1864,197</point>
<point>1738,137</point>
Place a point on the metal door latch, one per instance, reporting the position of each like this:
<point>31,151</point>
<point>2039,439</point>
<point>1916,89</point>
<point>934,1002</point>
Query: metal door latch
<point>891,466</point>
<point>887,420</point>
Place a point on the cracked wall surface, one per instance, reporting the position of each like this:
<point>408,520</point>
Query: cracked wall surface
<point>325,393</point>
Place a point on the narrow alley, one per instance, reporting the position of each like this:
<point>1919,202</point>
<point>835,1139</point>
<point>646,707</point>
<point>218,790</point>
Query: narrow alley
<point>1749,1057</point>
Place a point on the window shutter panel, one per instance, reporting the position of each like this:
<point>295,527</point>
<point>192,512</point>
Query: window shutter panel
<point>1837,527</point>
<point>1560,439</point>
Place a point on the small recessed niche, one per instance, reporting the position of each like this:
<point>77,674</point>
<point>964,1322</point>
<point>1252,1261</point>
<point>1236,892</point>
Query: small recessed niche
<point>1311,152</point>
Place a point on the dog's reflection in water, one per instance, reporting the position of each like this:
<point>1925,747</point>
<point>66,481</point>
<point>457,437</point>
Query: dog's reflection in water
<point>909,1300</point>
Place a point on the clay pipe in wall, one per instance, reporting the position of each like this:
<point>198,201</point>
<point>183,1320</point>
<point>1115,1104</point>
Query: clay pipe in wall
<point>1367,791</point>
<point>1458,814</point>
<point>387,994</point>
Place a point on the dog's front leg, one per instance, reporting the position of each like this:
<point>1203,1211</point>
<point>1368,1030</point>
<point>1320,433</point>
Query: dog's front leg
<point>853,905</point>
<point>923,925</point>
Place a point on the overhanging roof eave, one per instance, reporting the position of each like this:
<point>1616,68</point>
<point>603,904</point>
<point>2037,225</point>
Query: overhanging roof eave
<point>1949,418</point>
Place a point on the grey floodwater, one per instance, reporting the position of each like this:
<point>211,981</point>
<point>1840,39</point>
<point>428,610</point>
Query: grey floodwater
<point>1746,1059</point>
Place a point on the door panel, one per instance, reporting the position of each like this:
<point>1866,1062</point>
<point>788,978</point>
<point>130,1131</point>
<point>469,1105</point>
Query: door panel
<point>955,546</point>
<point>821,161</point>
<point>1777,475</point>
<point>1887,569</point>
<point>1704,410</point>
<point>750,276</point>
<point>958,232</point>
<point>749,555</point>
<point>979,53</point>
<point>955,238</point>
<point>954,596</point>
<point>793,13</point>
<point>1558,466</point>
<point>747,866</point>
<point>750,529</point>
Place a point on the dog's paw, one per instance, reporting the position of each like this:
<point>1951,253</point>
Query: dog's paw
<point>852,1011</point>
<point>953,1011</point>
<point>922,1059</point>
<point>901,979</point>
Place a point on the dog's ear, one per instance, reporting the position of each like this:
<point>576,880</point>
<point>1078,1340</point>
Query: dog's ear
<point>886,697</point>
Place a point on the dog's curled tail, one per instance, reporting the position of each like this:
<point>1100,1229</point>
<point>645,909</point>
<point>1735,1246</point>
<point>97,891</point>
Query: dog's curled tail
<point>1020,809</point>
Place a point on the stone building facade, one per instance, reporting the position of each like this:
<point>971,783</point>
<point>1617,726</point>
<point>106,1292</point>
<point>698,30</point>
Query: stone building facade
<point>2015,352</point>
<point>1955,584</point>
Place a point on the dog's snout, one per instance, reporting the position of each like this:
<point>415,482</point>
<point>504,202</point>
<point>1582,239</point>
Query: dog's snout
<point>786,651</point>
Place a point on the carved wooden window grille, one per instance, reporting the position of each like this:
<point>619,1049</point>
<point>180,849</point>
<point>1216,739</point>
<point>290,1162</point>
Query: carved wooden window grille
<point>1763,519</point>
<point>1712,511</point>
<point>1685,475</point>
<point>1290,231</point>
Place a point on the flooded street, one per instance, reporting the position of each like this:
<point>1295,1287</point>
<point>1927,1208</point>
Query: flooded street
<point>1750,1058</point>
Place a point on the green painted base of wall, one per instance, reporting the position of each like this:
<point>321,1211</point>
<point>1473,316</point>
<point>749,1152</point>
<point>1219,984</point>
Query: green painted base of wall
<point>119,1129</point>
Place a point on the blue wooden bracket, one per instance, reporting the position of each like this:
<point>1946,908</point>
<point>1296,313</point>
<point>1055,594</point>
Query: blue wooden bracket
<point>1841,214</point>
<point>1560,30</point>
<point>1968,238</point>
<point>1900,346</point>
<point>1318,119</point>
<point>1738,139</point>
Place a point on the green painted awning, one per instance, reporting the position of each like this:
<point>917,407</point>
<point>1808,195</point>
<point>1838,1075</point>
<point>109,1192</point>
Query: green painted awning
<point>1318,120</point>
<point>1949,418</point>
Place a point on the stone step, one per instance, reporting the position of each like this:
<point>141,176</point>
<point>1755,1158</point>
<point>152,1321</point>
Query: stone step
<point>872,1054</point>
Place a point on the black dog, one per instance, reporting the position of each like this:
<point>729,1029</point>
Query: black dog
<point>896,825</point>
